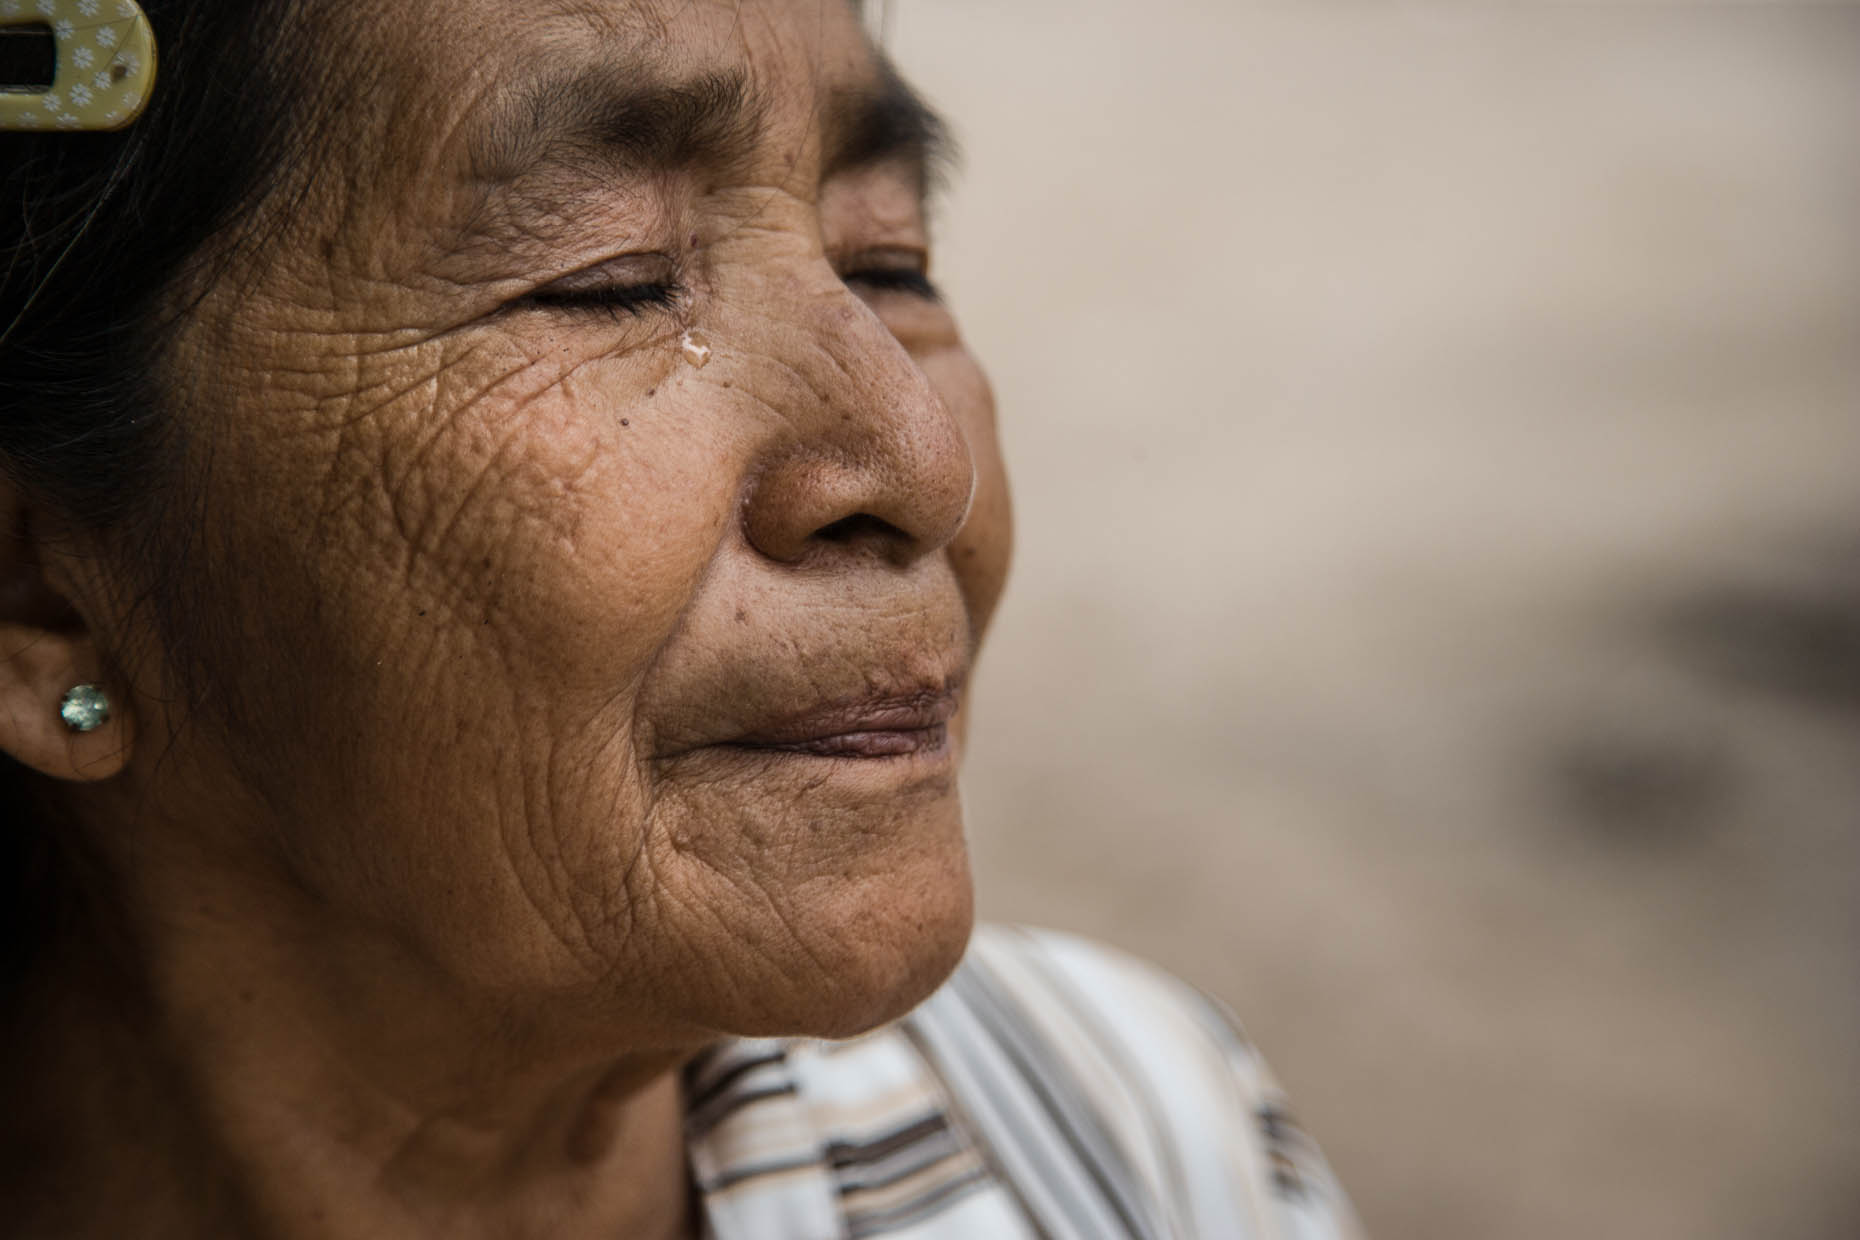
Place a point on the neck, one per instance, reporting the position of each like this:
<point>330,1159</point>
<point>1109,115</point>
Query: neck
<point>217,1078</point>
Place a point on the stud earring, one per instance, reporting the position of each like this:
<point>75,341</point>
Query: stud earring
<point>84,708</point>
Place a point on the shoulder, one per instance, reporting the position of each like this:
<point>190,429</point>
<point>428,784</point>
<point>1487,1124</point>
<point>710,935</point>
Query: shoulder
<point>1090,1065</point>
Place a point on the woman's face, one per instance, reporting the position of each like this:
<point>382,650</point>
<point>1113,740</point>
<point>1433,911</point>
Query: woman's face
<point>507,577</point>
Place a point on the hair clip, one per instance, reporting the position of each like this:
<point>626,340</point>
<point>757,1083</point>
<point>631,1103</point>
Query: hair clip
<point>104,65</point>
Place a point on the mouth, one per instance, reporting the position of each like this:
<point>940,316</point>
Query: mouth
<point>879,726</point>
<point>910,723</point>
<point>884,743</point>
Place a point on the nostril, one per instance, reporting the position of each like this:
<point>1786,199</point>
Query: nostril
<point>859,527</point>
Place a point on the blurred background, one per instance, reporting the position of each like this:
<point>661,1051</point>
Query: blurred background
<point>1436,621</point>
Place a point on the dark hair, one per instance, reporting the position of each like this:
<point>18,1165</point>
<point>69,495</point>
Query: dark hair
<point>102,236</point>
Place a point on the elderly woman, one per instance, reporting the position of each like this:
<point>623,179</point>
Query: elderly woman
<point>500,524</point>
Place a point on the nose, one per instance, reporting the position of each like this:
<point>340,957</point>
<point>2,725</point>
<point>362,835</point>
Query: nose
<point>870,459</point>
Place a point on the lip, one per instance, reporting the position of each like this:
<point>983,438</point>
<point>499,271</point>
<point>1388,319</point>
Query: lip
<point>891,743</point>
<point>876,726</point>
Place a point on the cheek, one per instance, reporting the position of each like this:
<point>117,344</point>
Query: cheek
<point>462,589</point>
<point>548,514</point>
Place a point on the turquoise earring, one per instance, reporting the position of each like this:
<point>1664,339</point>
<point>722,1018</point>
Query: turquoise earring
<point>84,708</point>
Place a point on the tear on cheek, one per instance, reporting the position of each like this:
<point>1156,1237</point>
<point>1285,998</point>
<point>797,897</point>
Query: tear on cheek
<point>695,347</point>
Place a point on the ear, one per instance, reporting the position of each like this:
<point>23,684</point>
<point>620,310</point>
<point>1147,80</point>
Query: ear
<point>46,648</point>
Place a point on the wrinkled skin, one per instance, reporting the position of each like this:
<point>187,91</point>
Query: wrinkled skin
<point>451,849</point>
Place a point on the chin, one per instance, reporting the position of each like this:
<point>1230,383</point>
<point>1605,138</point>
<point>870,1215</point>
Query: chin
<point>875,957</point>
<point>896,980</point>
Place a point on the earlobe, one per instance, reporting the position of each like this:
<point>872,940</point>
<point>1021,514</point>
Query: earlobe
<point>46,651</point>
<point>37,671</point>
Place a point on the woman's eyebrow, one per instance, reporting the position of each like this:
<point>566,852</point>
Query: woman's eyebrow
<point>630,120</point>
<point>868,126</point>
<point>623,115</point>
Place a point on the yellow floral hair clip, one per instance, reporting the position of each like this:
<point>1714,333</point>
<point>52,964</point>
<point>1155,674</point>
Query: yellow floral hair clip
<point>104,65</point>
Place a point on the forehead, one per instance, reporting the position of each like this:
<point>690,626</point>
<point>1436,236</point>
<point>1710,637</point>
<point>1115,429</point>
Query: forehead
<point>440,113</point>
<point>463,70</point>
<point>467,35</point>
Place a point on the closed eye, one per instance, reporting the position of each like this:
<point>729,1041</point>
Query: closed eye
<point>613,299</point>
<point>895,280</point>
<point>882,273</point>
<point>631,284</point>
<point>890,269</point>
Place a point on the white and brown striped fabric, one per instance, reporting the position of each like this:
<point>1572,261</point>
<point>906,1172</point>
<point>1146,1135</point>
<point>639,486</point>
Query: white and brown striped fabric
<point>1052,1089</point>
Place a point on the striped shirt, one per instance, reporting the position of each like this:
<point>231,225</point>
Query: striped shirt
<point>1051,1090</point>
